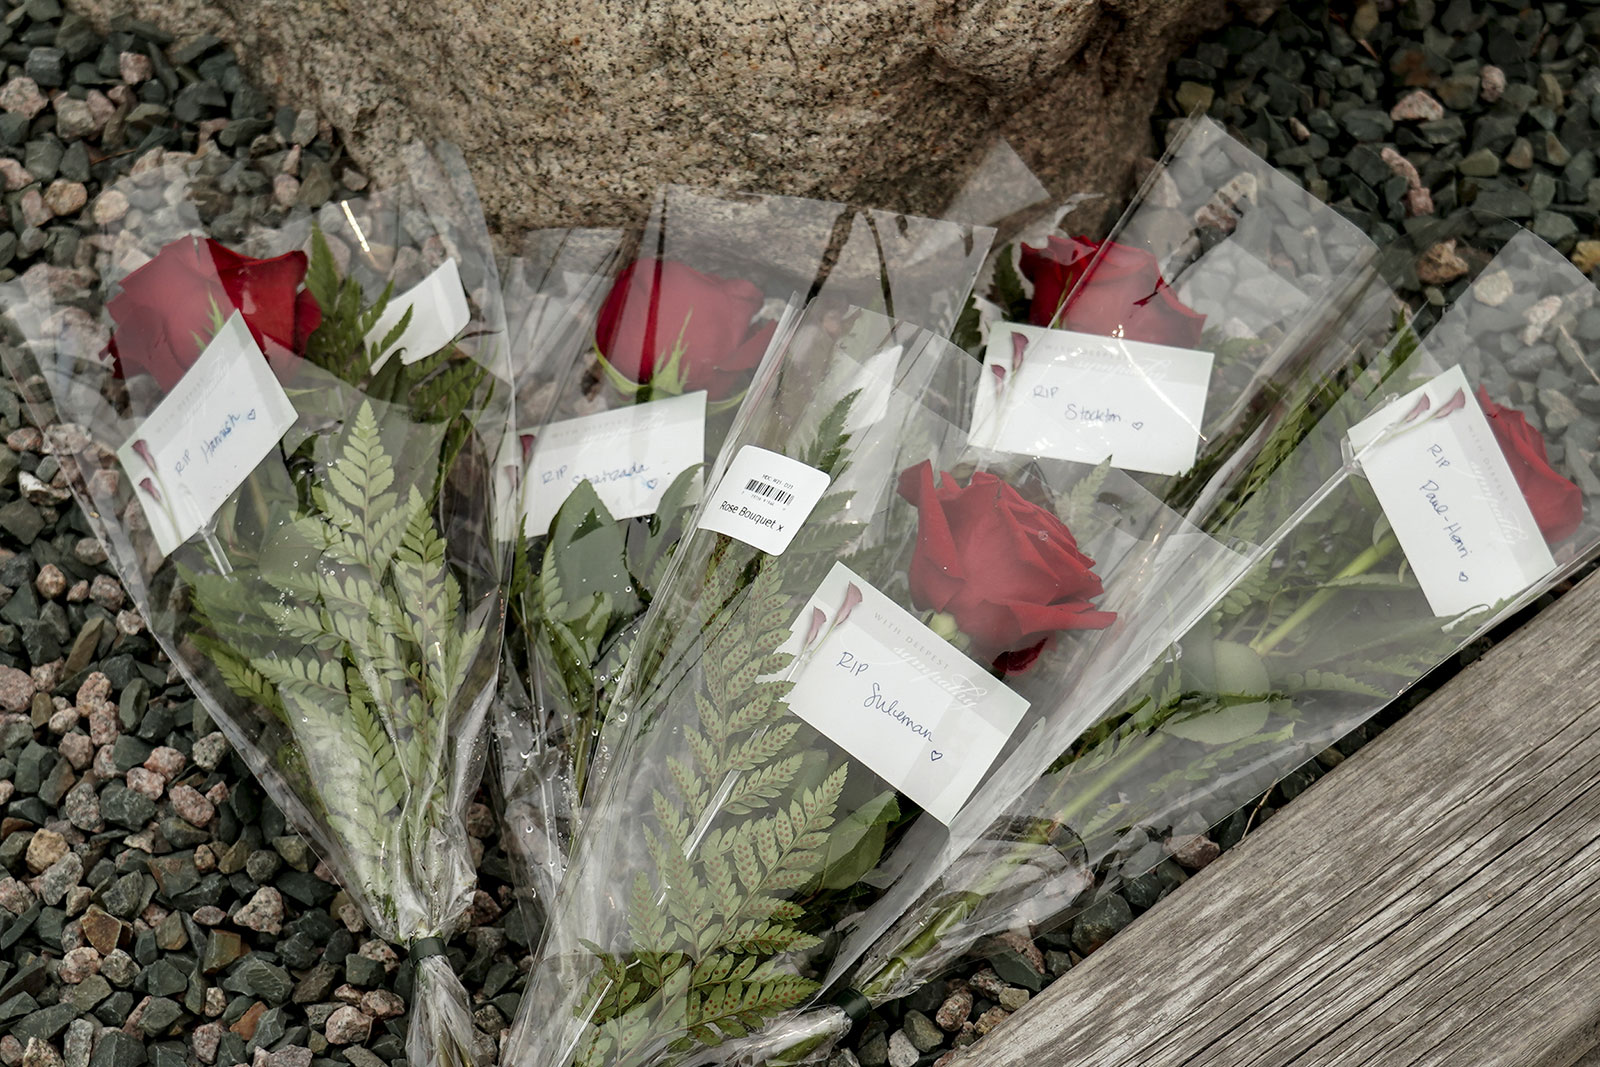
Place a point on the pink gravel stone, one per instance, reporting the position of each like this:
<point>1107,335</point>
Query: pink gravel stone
<point>191,806</point>
<point>16,689</point>
<point>79,964</point>
<point>1418,106</point>
<point>77,748</point>
<point>166,762</point>
<point>146,783</point>
<point>347,1026</point>
<point>106,591</point>
<point>134,67</point>
<point>21,96</point>
<point>95,689</point>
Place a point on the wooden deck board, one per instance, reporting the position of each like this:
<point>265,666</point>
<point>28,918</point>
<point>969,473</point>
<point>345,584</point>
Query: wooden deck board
<point>1435,900</point>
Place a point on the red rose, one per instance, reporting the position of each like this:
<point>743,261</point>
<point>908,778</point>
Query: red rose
<point>1556,503</point>
<point>1124,296</point>
<point>664,317</point>
<point>167,309</point>
<point>1007,570</point>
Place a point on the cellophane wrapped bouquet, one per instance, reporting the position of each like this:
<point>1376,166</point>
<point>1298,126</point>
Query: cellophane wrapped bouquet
<point>553,290</point>
<point>287,443</point>
<point>1445,489</point>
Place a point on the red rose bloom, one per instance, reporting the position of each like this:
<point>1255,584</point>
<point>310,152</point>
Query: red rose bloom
<point>1124,294</point>
<point>1007,570</point>
<point>166,311</point>
<point>1556,503</point>
<point>659,308</point>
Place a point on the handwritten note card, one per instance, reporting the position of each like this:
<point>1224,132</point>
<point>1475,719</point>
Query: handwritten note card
<point>202,441</point>
<point>1449,493</point>
<point>897,696</point>
<point>1082,397</point>
<point>629,454</point>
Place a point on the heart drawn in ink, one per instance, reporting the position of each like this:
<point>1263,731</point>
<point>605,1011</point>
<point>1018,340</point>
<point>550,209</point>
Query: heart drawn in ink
<point>1462,577</point>
<point>651,483</point>
<point>1138,426</point>
<point>936,756</point>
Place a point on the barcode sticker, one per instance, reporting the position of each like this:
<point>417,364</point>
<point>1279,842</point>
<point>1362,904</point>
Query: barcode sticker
<point>764,499</point>
<point>768,489</point>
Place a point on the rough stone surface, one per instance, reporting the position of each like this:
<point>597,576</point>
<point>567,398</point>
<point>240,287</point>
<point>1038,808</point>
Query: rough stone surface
<point>348,1026</point>
<point>577,112</point>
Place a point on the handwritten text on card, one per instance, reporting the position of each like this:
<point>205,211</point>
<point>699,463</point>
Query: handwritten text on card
<point>1450,496</point>
<point>896,695</point>
<point>206,436</point>
<point>1082,397</point>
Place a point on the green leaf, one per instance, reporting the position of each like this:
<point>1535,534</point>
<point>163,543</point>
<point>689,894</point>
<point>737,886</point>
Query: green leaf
<point>1079,502</point>
<point>1009,291</point>
<point>347,627</point>
<point>856,843</point>
<point>322,275</point>
<point>1222,726</point>
<point>589,550</point>
<point>968,333</point>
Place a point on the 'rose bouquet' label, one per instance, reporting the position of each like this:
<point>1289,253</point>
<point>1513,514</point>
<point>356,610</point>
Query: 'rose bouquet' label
<point>764,499</point>
<point>896,695</point>
<point>1085,397</point>
<point>629,454</point>
<point>203,440</point>
<point>1451,496</point>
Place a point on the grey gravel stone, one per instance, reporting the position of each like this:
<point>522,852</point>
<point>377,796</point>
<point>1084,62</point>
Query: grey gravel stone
<point>47,66</point>
<point>922,1031</point>
<point>1099,922</point>
<point>902,1052</point>
<point>258,978</point>
<point>114,1048</point>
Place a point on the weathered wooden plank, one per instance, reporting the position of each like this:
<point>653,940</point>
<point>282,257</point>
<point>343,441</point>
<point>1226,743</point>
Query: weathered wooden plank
<point>1433,900</point>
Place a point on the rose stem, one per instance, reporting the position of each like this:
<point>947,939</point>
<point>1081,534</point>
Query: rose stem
<point>1360,565</point>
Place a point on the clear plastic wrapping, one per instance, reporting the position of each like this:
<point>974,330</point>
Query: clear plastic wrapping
<point>1330,625</point>
<point>1310,314</point>
<point>288,459</point>
<point>749,821</point>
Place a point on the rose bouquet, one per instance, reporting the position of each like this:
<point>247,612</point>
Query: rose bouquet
<point>1205,316</point>
<point>288,460</point>
<point>865,612</point>
<point>621,416</point>
<point>1348,605</point>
